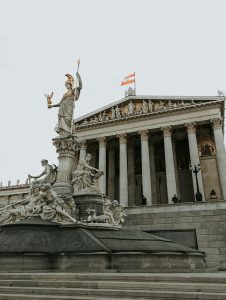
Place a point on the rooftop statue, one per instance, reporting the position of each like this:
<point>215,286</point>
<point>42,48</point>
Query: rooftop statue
<point>131,108</point>
<point>65,126</point>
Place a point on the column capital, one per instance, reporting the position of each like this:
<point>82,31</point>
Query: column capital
<point>83,145</point>
<point>102,141</point>
<point>217,123</point>
<point>122,138</point>
<point>191,127</point>
<point>167,130</point>
<point>144,134</point>
<point>66,148</point>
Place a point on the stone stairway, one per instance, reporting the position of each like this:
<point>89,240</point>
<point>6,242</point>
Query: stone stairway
<point>109,286</point>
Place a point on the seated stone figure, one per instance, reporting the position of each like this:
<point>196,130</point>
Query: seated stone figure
<point>47,176</point>
<point>85,177</point>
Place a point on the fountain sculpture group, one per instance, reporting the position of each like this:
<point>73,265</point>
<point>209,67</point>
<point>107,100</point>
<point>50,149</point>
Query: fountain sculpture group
<point>69,193</point>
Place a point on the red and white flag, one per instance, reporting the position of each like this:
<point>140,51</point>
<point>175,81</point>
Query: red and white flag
<point>128,79</point>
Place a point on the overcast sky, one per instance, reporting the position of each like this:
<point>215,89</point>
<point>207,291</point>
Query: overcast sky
<point>176,47</point>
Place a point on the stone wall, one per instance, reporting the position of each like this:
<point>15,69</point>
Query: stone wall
<point>207,218</point>
<point>13,193</point>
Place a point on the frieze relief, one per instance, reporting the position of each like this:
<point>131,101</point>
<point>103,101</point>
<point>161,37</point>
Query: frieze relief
<point>135,108</point>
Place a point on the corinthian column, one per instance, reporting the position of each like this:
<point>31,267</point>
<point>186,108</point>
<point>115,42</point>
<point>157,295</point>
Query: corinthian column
<point>83,148</point>
<point>170,168</point>
<point>111,173</point>
<point>145,162</point>
<point>102,163</point>
<point>194,156</point>
<point>67,150</point>
<point>153,175</point>
<point>123,177</point>
<point>131,175</point>
<point>220,152</point>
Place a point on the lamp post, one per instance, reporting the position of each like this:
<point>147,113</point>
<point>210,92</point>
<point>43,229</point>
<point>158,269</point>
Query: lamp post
<point>195,169</point>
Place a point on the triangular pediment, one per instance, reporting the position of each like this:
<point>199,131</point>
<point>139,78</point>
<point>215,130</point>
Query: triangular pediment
<point>139,106</point>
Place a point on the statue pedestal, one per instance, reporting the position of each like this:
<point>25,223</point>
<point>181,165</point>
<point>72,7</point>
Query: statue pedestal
<point>68,158</point>
<point>89,201</point>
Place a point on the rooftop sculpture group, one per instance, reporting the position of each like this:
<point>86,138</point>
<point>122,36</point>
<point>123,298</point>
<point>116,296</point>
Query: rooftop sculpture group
<point>133,109</point>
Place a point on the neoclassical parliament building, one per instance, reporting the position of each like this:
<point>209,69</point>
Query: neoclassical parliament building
<point>148,148</point>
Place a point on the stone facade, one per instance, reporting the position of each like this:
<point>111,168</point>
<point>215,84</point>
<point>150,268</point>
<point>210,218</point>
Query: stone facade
<point>207,219</point>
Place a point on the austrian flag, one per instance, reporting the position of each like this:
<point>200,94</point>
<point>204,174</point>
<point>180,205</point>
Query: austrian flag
<point>128,79</point>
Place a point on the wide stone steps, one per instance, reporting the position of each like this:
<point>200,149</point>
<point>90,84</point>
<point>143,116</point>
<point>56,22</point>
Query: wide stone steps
<point>121,285</point>
<point>109,286</point>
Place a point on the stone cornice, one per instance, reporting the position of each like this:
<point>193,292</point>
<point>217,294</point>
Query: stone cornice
<point>154,114</point>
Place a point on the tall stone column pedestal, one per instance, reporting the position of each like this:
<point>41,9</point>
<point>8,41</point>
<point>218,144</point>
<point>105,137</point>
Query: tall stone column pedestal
<point>68,156</point>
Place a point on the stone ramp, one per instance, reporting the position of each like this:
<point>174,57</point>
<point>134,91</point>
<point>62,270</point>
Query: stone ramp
<point>109,286</point>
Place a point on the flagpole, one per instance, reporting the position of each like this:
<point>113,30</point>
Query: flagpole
<point>135,88</point>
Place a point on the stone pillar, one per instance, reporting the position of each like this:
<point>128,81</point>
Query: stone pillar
<point>194,156</point>
<point>145,163</point>
<point>102,163</point>
<point>131,175</point>
<point>170,168</point>
<point>111,173</point>
<point>83,148</point>
<point>176,169</point>
<point>153,175</point>
<point>123,179</point>
<point>67,150</point>
<point>220,152</point>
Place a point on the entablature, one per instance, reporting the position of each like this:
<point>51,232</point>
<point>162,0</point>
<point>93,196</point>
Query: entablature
<point>200,113</point>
